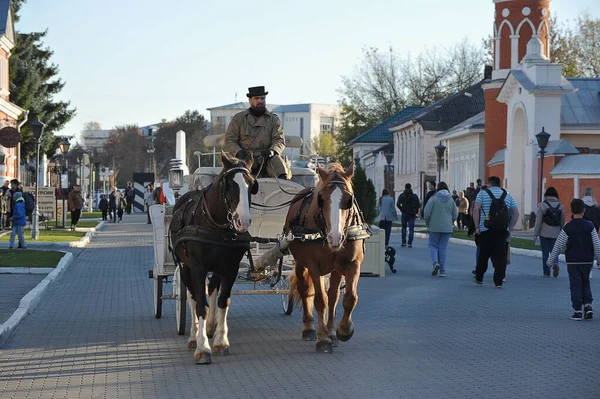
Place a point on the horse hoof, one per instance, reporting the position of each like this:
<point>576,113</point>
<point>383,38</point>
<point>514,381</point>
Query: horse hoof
<point>192,344</point>
<point>345,337</point>
<point>324,347</point>
<point>203,358</point>
<point>334,341</point>
<point>221,350</point>
<point>309,335</point>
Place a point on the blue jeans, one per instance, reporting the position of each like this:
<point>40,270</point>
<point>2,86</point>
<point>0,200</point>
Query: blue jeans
<point>438,248</point>
<point>579,279</point>
<point>408,220</point>
<point>19,231</point>
<point>547,245</point>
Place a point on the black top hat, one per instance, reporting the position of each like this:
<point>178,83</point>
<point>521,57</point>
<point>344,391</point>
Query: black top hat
<point>256,91</point>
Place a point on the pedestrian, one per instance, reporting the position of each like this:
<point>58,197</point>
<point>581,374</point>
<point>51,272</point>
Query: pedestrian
<point>387,213</point>
<point>430,193</point>
<point>3,209</point>
<point>19,220</point>
<point>495,214</point>
<point>103,206</point>
<point>112,205</point>
<point>440,214</point>
<point>580,239</point>
<point>75,203</point>
<point>462,203</point>
<point>409,205</point>
<point>592,209</point>
<point>549,221</point>
<point>129,197</point>
<point>121,206</point>
<point>471,194</point>
<point>148,200</point>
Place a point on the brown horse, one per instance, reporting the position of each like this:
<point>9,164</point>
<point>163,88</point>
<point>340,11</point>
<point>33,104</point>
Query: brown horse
<point>329,228</point>
<point>209,233</point>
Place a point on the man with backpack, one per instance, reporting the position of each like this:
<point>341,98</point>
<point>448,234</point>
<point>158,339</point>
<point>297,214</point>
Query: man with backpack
<point>409,206</point>
<point>549,221</point>
<point>495,214</point>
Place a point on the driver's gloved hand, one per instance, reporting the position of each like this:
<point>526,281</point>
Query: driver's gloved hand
<point>268,154</point>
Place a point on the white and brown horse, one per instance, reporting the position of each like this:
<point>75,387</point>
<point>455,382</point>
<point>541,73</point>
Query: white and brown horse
<point>331,226</point>
<point>209,234</point>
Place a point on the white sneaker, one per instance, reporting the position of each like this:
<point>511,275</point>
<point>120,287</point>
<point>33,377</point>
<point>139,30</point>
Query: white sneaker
<point>442,273</point>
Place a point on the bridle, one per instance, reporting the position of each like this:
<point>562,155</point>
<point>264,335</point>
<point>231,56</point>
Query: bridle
<point>223,197</point>
<point>320,217</point>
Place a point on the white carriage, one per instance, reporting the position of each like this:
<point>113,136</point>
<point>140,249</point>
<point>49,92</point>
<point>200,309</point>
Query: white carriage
<point>267,222</point>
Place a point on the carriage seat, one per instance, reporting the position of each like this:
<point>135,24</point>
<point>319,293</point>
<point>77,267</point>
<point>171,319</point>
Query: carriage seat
<point>206,175</point>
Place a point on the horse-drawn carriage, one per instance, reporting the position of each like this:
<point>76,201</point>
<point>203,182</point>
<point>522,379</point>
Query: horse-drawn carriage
<point>212,232</point>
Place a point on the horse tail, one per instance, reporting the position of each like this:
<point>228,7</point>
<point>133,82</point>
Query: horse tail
<point>294,294</point>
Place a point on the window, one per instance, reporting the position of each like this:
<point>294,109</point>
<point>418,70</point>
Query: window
<point>326,124</point>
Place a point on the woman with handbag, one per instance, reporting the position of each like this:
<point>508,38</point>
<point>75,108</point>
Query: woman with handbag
<point>386,211</point>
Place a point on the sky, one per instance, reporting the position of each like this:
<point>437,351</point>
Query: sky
<point>141,61</point>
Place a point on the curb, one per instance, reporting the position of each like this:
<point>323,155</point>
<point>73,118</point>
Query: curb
<point>26,270</point>
<point>513,251</point>
<point>81,243</point>
<point>33,297</point>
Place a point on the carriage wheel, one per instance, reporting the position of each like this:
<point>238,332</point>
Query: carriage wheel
<point>180,294</point>
<point>287,302</point>
<point>158,286</point>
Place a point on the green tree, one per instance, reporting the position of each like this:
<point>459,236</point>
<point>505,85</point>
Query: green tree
<point>34,83</point>
<point>588,45</point>
<point>324,145</point>
<point>364,192</point>
<point>353,122</point>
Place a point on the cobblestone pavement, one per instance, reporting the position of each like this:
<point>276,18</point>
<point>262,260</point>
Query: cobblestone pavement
<point>417,336</point>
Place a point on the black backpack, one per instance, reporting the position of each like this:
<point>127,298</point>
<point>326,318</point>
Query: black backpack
<point>592,214</point>
<point>498,216</point>
<point>29,203</point>
<point>552,216</point>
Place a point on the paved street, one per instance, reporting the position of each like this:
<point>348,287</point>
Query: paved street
<point>417,336</point>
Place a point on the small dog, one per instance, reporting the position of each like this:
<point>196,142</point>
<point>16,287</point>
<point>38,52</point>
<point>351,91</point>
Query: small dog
<point>390,258</point>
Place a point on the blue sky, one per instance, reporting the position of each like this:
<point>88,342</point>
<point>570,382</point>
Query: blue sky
<point>138,61</point>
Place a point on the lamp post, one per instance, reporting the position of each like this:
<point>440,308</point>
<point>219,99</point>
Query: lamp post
<point>150,151</point>
<point>175,176</point>
<point>542,140</point>
<point>37,128</point>
<point>64,149</point>
<point>389,157</point>
<point>440,149</point>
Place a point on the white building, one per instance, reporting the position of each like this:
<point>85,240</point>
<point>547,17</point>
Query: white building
<point>306,121</point>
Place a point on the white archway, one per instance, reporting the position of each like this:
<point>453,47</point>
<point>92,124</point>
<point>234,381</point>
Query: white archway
<point>516,153</point>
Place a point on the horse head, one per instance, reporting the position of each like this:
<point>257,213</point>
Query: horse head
<point>237,185</point>
<point>335,199</point>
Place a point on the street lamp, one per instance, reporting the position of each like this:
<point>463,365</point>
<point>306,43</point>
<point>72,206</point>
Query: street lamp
<point>176,175</point>
<point>389,156</point>
<point>440,149</point>
<point>150,151</point>
<point>542,140</point>
<point>64,146</point>
<point>37,128</point>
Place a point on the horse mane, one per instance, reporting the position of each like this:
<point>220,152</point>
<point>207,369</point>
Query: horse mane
<point>335,171</point>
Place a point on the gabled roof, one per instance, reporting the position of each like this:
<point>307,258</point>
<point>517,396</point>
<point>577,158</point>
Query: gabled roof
<point>381,133</point>
<point>583,164</point>
<point>497,158</point>
<point>560,147</point>
<point>292,108</point>
<point>581,109</point>
<point>450,111</point>
<point>6,21</point>
<point>476,124</point>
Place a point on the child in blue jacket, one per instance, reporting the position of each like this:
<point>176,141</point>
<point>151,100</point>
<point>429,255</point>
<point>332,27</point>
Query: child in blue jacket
<point>19,220</point>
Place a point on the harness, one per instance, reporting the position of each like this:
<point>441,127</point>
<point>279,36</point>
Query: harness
<point>355,229</point>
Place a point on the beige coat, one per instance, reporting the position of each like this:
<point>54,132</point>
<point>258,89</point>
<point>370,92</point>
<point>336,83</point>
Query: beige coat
<point>256,134</point>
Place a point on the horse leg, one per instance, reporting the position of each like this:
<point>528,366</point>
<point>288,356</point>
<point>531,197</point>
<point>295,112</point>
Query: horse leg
<point>333,295</point>
<point>203,352</point>
<point>221,342</point>
<point>345,329</point>
<point>323,342</point>
<point>306,290</point>
<point>213,291</point>
<point>186,280</point>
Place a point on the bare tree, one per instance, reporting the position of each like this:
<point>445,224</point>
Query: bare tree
<point>92,125</point>
<point>588,45</point>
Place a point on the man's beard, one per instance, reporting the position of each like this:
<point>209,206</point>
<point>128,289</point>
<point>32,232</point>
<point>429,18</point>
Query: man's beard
<point>258,111</point>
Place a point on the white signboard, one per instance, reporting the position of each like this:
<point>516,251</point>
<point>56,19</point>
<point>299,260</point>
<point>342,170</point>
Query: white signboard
<point>46,202</point>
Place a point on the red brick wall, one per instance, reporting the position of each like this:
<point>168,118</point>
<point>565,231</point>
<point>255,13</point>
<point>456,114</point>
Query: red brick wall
<point>494,137</point>
<point>496,170</point>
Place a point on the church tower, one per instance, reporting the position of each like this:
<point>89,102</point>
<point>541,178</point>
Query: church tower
<point>516,22</point>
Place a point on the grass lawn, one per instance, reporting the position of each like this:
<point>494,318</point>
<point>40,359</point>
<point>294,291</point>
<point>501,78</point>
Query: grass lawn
<point>29,258</point>
<point>49,236</point>
<point>87,215</point>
